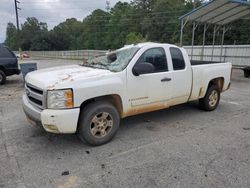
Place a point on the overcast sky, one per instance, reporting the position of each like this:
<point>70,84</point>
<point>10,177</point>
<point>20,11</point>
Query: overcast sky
<point>50,11</point>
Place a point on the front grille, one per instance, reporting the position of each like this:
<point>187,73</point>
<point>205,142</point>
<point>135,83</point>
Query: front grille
<point>35,90</point>
<point>40,103</point>
<point>35,95</point>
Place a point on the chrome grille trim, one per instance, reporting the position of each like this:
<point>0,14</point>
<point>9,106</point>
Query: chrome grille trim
<point>37,94</point>
<point>35,90</point>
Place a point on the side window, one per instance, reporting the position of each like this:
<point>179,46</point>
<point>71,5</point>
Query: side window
<point>177,59</point>
<point>5,53</point>
<point>157,57</point>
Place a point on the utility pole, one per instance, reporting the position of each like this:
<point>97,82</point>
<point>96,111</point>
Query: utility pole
<point>17,22</point>
<point>17,19</point>
<point>108,5</point>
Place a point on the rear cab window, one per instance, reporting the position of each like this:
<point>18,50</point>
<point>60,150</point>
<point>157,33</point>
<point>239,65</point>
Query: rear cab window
<point>177,59</point>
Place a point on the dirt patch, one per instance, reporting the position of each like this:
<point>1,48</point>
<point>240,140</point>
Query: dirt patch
<point>13,88</point>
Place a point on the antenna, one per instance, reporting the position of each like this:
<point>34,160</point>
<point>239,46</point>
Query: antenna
<point>108,5</point>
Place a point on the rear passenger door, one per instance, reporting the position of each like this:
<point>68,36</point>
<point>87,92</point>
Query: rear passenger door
<point>182,77</point>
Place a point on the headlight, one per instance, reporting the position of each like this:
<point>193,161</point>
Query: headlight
<point>60,99</point>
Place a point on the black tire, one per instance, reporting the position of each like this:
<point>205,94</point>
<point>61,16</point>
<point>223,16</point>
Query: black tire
<point>98,110</point>
<point>246,73</point>
<point>2,77</point>
<point>207,104</point>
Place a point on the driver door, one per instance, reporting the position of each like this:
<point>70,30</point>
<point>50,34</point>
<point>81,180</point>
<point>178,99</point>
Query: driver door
<point>150,91</point>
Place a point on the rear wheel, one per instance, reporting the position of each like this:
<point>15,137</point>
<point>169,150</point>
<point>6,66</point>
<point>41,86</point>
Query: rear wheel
<point>246,73</point>
<point>211,99</point>
<point>2,77</point>
<point>98,123</point>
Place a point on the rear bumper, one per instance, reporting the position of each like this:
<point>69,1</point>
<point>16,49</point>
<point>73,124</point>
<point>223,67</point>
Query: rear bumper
<point>246,71</point>
<point>11,72</point>
<point>54,121</point>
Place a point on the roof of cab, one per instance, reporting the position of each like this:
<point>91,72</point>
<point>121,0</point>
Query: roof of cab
<point>140,45</point>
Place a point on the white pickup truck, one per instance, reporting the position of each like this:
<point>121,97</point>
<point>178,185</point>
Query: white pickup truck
<point>91,98</point>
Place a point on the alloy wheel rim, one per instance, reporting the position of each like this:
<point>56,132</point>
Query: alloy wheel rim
<point>101,124</point>
<point>213,98</point>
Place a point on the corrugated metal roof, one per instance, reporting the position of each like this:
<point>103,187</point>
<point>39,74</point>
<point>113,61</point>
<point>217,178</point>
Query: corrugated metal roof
<point>219,12</point>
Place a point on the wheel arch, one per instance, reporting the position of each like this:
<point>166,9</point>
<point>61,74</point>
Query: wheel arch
<point>113,98</point>
<point>218,82</point>
<point>2,69</point>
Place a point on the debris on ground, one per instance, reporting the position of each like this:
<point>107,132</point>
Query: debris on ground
<point>103,166</point>
<point>65,173</point>
<point>246,128</point>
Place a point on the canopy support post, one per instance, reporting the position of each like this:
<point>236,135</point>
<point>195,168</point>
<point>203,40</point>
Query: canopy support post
<point>183,24</point>
<point>181,32</point>
<point>193,32</point>
<point>216,28</point>
<point>222,41</point>
<point>225,29</point>
<point>204,39</point>
<point>213,43</point>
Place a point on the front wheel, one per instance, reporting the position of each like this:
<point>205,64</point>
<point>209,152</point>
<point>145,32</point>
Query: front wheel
<point>211,99</point>
<point>98,123</point>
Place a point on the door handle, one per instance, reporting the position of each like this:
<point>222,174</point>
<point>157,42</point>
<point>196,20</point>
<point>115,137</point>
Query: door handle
<point>166,79</point>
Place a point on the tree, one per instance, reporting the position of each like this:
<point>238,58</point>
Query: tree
<point>126,23</point>
<point>67,32</point>
<point>144,4</point>
<point>162,24</point>
<point>41,43</point>
<point>124,20</point>
<point>31,29</point>
<point>95,30</point>
<point>133,38</point>
<point>11,36</point>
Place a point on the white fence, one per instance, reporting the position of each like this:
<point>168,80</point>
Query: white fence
<point>238,55</point>
<point>77,54</point>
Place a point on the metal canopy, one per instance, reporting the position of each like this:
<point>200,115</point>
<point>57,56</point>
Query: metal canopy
<point>219,13</point>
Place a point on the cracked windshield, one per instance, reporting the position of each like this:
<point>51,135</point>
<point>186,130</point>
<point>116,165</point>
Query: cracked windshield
<point>114,61</point>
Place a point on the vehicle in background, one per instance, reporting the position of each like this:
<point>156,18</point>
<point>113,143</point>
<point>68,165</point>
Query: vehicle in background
<point>25,55</point>
<point>8,64</point>
<point>17,55</point>
<point>90,99</point>
<point>246,71</point>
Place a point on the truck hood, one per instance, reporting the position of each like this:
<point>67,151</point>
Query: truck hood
<point>63,76</point>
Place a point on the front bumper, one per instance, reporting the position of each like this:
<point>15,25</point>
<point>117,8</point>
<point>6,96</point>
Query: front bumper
<point>33,113</point>
<point>55,121</point>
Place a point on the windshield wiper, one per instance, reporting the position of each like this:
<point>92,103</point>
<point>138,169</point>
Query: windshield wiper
<point>85,65</point>
<point>95,65</point>
<point>102,64</point>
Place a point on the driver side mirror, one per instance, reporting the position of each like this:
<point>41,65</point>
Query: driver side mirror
<point>143,68</point>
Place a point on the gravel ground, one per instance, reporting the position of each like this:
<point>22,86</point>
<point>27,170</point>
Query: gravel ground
<point>177,147</point>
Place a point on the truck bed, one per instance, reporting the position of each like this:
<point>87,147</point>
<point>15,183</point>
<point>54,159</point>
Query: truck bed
<point>199,62</point>
<point>206,72</point>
